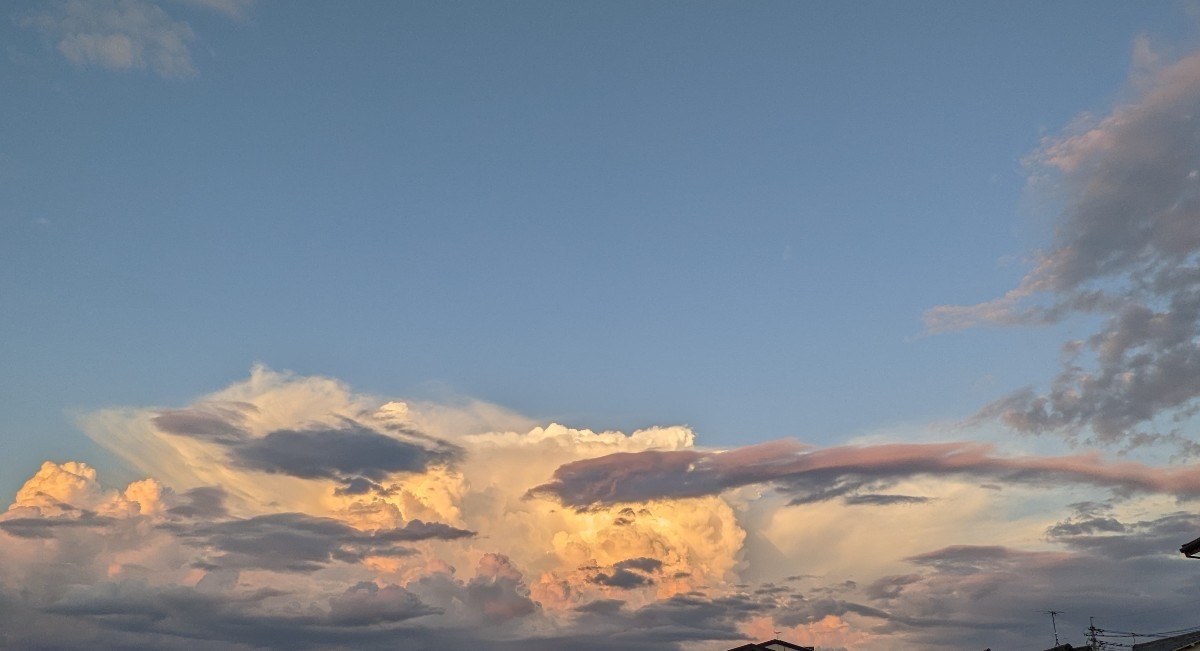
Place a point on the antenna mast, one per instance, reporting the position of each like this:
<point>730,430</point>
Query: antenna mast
<point>1053,623</point>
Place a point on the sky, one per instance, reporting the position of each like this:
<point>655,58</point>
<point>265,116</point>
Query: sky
<point>623,325</point>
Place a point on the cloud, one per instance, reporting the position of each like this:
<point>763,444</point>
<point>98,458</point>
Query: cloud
<point>236,9</point>
<point>982,594</point>
<point>217,422</point>
<point>815,475</point>
<point>1111,538</point>
<point>661,544</point>
<point>205,502</point>
<point>35,527</point>
<point>1127,248</point>
<point>71,487</point>
<point>356,455</point>
<point>119,35</point>
<point>890,587</point>
<point>126,34</point>
<point>295,542</point>
<point>367,604</point>
<point>883,500</point>
<point>630,573</point>
<point>265,496</point>
<point>349,451</point>
<point>174,615</point>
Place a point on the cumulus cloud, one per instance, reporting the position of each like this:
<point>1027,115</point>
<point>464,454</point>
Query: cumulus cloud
<point>1127,248</point>
<point>126,34</point>
<point>300,486</point>
<point>251,531</point>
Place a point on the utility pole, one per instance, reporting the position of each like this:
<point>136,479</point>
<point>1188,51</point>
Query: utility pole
<point>1093,643</point>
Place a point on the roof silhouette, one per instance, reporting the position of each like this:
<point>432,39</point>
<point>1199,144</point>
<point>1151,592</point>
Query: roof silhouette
<point>1186,641</point>
<point>772,645</point>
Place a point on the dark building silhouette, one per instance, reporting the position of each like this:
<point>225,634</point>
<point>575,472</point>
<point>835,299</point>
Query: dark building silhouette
<point>772,645</point>
<point>1191,549</point>
<point>1175,643</point>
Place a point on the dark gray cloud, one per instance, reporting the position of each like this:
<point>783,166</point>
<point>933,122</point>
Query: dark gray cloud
<point>367,604</point>
<point>295,542</point>
<point>870,499</point>
<point>204,503</point>
<point>629,573</point>
<point>799,612</point>
<point>641,564</point>
<point>1126,247</point>
<point>437,611</point>
<point>346,454</point>
<point>846,472</point>
<point>968,559</point>
<point>366,616</point>
<point>1111,538</point>
<point>351,453</point>
<point>890,587</point>
<point>496,595</point>
<point>359,486</point>
<point>219,422</point>
<point>602,606</point>
<point>31,527</point>
<point>321,453</point>
<point>140,617</point>
<point>134,615</point>
<point>1084,527</point>
<point>697,617</point>
<point>958,597</point>
<point>982,596</point>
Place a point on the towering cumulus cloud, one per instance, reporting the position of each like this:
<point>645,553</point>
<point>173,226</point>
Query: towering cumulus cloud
<point>289,511</point>
<point>1127,245</point>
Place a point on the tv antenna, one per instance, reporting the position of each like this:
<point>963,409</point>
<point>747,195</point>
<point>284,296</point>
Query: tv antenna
<point>1054,623</point>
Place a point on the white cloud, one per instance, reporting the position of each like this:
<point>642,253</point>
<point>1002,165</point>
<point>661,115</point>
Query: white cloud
<point>454,551</point>
<point>126,34</point>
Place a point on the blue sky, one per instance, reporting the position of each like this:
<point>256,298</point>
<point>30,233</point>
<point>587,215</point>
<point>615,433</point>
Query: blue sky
<point>612,216</point>
<point>722,215</point>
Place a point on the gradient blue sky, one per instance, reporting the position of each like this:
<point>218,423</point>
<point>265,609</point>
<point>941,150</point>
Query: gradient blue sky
<point>728,215</point>
<point>615,215</point>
